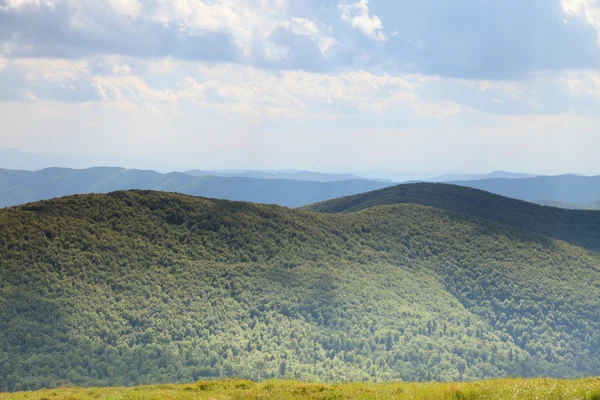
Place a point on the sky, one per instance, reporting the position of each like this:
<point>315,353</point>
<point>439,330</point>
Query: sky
<point>330,85</point>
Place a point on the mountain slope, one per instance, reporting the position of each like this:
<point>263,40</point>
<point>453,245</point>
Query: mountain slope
<point>139,287</point>
<point>19,187</point>
<point>581,228</point>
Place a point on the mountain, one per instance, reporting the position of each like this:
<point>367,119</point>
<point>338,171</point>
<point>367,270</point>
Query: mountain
<point>20,160</point>
<point>18,187</point>
<point>291,175</point>
<point>568,188</point>
<point>14,159</point>
<point>581,228</point>
<point>473,177</point>
<point>138,287</point>
<point>570,206</point>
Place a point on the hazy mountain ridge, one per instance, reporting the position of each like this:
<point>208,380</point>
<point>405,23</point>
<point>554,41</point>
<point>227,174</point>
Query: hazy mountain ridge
<point>565,188</point>
<point>474,177</point>
<point>20,160</point>
<point>18,187</point>
<point>289,174</point>
<point>595,206</point>
<point>140,287</point>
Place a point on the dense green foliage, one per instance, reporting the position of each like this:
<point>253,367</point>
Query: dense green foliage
<point>579,227</point>
<point>232,389</point>
<point>19,187</point>
<point>143,287</point>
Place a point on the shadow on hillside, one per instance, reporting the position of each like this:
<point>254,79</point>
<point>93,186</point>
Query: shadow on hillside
<point>491,228</point>
<point>578,227</point>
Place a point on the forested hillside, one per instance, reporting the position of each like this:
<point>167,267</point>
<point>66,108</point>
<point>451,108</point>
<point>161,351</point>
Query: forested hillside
<point>580,227</point>
<point>140,287</point>
<point>19,187</point>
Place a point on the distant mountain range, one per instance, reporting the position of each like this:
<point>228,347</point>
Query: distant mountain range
<point>595,206</point>
<point>21,160</point>
<point>277,174</point>
<point>18,187</point>
<point>287,188</point>
<point>562,188</point>
<point>473,177</point>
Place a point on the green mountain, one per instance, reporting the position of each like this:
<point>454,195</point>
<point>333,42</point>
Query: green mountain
<point>139,287</point>
<point>19,187</point>
<point>581,228</point>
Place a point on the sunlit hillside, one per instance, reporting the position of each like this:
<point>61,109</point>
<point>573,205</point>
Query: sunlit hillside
<point>147,287</point>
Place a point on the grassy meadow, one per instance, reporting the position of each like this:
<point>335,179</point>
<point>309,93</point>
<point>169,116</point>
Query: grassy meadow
<point>518,389</point>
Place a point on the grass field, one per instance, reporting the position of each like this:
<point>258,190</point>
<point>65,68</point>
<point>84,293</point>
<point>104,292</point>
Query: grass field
<point>518,389</point>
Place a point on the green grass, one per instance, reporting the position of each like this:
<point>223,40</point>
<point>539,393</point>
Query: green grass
<point>521,389</point>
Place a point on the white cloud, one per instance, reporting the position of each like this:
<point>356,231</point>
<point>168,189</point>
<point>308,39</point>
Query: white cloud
<point>231,88</point>
<point>8,4</point>
<point>304,26</point>
<point>436,37</point>
<point>131,8</point>
<point>50,69</point>
<point>298,94</point>
<point>310,28</point>
<point>298,64</point>
<point>326,43</point>
<point>110,65</point>
<point>357,14</point>
<point>589,10</point>
<point>113,22</point>
<point>165,84</point>
<point>247,21</point>
<point>584,83</point>
<point>129,93</point>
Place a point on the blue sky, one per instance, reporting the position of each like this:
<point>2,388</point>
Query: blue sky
<point>431,85</point>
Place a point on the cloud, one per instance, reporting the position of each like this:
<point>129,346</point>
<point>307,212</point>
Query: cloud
<point>303,26</point>
<point>357,14</point>
<point>297,94</point>
<point>462,81</point>
<point>466,39</point>
<point>310,28</point>
<point>192,30</point>
<point>228,88</point>
<point>168,84</point>
<point>59,80</point>
<point>589,10</point>
<point>584,83</point>
<point>475,39</point>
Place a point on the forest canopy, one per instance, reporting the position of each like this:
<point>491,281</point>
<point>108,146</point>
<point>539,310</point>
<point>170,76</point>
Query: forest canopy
<point>145,287</point>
